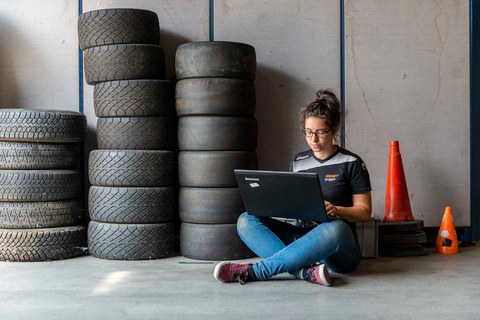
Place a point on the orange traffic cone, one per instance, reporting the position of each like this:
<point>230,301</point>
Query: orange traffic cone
<point>447,242</point>
<point>397,203</point>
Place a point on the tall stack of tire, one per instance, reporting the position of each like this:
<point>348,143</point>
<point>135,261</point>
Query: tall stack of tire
<point>132,201</point>
<point>40,185</point>
<point>217,133</point>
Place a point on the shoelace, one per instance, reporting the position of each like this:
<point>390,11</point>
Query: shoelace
<point>241,276</point>
<point>310,275</point>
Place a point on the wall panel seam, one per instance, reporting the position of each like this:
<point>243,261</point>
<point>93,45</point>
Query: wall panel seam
<point>474,119</point>
<point>211,21</point>
<point>80,67</point>
<point>342,68</point>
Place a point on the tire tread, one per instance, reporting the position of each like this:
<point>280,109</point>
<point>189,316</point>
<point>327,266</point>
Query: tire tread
<point>124,61</point>
<point>134,98</point>
<point>39,185</point>
<point>118,26</point>
<point>132,168</point>
<point>132,241</point>
<point>42,244</point>
<point>41,126</point>
<point>131,205</point>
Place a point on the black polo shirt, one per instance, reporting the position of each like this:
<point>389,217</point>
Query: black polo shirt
<point>342,175</point>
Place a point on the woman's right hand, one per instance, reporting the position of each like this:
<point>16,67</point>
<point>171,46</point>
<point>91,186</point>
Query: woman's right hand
<point>332,211</point>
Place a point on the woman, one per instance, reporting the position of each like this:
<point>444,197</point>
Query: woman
<point>307,249</point>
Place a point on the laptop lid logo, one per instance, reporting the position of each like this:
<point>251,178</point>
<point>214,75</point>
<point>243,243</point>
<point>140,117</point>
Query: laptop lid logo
<point>253,184</point>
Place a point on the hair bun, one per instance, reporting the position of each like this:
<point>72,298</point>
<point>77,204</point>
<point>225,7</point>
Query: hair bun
<point>327,106</point>
<point>318,95</point>
<point>323,93</point>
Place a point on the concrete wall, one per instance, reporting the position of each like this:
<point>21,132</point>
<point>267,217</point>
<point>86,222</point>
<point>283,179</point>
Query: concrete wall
<point>406,65</point>
<point>39,54</point>
<point>407,79</point>
<point>298,52</point>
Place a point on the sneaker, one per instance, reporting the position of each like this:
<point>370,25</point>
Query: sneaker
<point>318,274</point>
<point>231,272</point>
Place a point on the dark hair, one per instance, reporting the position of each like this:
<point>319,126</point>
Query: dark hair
<point>326,106</point>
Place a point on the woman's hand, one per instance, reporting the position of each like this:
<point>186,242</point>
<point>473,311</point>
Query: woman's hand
<point>332,211</point>
<point>359,212</point>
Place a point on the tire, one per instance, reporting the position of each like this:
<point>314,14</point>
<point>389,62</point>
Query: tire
<point>137,133</point>
<point>117,26</point>
<point>210,205</point>
<point>134,98</point>
<point>407,238</point>
<point>212,242</point>
<point>31,215</point>
<point>42,244</point>
<point>123,62</point>
<point>41,126</point>
<point>212,133</point>
<point>215,59</point>
<point>39,185</point>
<point>132,168</point>
<point>132,205</point>
<point>413,250</point>
<point>30,156</point>
<point>215,97</point>
<point>213,169</point>
<point>400,227</point>
<point>132,241</point>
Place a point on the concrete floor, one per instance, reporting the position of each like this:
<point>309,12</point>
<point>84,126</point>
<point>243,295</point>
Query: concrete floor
<point>429,287</point>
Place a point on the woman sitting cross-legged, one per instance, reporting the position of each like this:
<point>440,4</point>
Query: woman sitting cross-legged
<point>307,249</point>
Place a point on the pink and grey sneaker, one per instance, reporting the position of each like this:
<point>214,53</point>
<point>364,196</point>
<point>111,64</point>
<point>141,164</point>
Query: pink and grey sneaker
<point>317,274</point>
<point>231,272</point>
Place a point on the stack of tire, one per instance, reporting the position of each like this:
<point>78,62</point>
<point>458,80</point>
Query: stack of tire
<point>132,201</point>
<point>402,239</point>
<point>217,133</point>
<point>40,185</point>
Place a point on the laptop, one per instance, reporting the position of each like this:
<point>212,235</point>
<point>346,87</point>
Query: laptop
<point>279,194</point>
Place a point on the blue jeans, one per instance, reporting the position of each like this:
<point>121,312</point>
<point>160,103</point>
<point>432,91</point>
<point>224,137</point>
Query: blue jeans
<point>287,248</point>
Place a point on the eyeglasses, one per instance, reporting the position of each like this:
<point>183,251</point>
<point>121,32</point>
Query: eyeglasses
<point>318,133</point>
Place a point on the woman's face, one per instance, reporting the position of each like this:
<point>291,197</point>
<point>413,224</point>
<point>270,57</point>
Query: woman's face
<point>317,133</point>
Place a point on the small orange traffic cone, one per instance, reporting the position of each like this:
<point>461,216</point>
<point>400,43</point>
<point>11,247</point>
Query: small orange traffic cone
<point>397,203</point>
<point>447,242</point>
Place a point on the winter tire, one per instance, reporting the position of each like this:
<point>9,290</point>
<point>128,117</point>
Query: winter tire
<point>134,98</point>
<point>132,168</point>
<point>39,185</point>
<point>124,61</point>
<point>212,242</point>
<point>30,215</point>
<point>41,126</point>
<point>212,133</point>
<point>27,156</point>
<point>137,133</point>
<point>132,241</point>
<point>215,59</point>
<point>117,26</point>
<point>213,168</point>
<point>42,244</point>
<point>132,205</point>
<point>210,205</point>
<point>215,96</point>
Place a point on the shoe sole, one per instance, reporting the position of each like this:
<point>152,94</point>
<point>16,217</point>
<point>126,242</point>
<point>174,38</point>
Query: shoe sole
<point>216,271</point>
<point>324,276</point>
